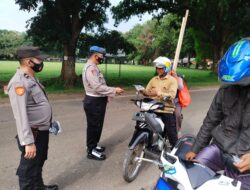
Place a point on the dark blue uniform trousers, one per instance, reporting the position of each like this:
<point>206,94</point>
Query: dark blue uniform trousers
<point>30,170</point>
<point>95,108</point>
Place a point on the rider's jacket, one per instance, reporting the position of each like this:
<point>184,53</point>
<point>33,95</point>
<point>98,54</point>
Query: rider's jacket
<point>227,122</point>
<point>166,86</point>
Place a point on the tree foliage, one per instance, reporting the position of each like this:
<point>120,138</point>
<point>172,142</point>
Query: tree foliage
<point>63,20</point>
<point>166,35</point>
<point>59,23</point>
<point>219,22</point>
<point>158,38</point>
<point>10,41</point>
<point>127,8</point>
<point>111,40</point>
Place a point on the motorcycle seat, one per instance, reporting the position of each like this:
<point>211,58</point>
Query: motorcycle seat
<point>198,174</point>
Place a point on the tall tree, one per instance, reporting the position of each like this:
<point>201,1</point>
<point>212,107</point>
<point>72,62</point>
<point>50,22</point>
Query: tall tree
<point>221,22</point>
<point>187,51</point>
<point>61,22</point>
<point>114,41</point>
<point>142,37</point>
<point>132,37</point>
<point>85,41</point>
<point>158,38</point>
<point>166,35</point>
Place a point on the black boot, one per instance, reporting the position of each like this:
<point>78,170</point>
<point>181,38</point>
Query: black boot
<point>39,185</point>
<point>26,183</point>
<point>96,155</point>
<point>100,148</point>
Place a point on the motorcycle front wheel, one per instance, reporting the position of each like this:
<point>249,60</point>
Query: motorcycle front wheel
<point>131,166</point>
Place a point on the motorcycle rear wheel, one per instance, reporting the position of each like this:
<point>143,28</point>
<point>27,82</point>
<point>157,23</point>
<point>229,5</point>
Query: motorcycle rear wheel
<point>131,167</point>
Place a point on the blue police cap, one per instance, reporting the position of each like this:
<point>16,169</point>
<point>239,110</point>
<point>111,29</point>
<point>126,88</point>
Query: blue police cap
<point>97,49</point>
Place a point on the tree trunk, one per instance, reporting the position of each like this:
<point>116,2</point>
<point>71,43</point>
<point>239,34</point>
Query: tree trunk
<point>188,62</point>
<point>197,64</point>
<point>68,74</point>
<point>217,55</point>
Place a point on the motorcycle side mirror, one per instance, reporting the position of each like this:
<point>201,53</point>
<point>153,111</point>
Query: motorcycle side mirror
<point>138,87</point>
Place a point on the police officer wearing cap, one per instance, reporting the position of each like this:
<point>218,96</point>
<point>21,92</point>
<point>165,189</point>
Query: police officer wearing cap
<point>32,112</point>
<point>97,93</point>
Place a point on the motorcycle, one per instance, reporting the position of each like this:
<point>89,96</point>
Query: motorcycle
<point>148,138</point>
<point>180,174</point>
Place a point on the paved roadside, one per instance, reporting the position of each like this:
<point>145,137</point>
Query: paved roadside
<point>67,164</point>
<point>60,97</point>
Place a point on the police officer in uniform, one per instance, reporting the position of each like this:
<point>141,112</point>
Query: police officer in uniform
<point>97,93</point>
<point>32,112</point>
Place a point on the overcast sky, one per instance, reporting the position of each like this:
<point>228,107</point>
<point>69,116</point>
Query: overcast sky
<point>11,18</point>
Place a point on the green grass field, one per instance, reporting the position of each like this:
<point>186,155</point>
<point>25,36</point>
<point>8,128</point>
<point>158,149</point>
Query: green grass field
<point>130,74</point>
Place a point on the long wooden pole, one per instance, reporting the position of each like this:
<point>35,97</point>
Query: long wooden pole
<point>181,35</point>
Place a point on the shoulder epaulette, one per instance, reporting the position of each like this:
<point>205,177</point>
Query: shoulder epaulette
<point>26,75</point>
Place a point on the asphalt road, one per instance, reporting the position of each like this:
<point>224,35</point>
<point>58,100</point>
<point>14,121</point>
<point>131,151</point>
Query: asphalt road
<point>68,166</point>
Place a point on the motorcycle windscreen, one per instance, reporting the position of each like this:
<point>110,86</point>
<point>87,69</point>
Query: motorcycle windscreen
<point>162,185</point>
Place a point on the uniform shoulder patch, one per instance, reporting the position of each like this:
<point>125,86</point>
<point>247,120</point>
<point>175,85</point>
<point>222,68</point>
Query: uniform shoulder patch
<point>20,90</point>
<point>94,72</point>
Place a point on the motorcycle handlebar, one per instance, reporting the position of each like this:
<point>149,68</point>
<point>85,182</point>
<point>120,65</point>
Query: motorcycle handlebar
<point>166,98</point>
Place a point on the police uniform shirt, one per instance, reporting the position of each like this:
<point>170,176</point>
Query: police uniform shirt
<point>30,106</point>
<point>94,82</point>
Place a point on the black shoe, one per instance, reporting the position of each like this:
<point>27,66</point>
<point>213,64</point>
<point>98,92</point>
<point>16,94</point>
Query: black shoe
<point>50,187</point>
<point>100,148</point>
<point>96,155</point>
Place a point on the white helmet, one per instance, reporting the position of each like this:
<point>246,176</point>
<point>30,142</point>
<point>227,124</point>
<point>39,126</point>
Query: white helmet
<point>162,62</point>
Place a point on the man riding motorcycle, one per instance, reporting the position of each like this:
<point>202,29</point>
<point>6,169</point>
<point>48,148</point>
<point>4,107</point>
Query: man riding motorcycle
<point>227,123</point>
<point>160,86</point>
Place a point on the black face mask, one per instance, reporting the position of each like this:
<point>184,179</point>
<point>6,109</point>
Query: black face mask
<point>37,67</point>
<point>100,60</point>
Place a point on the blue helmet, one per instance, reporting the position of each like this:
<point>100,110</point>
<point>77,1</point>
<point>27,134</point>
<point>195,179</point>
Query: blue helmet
<point>235,64</point>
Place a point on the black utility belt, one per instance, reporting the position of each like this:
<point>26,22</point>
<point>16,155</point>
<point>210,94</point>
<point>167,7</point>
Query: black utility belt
<point>96,97</point>
<point>36,131</point>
